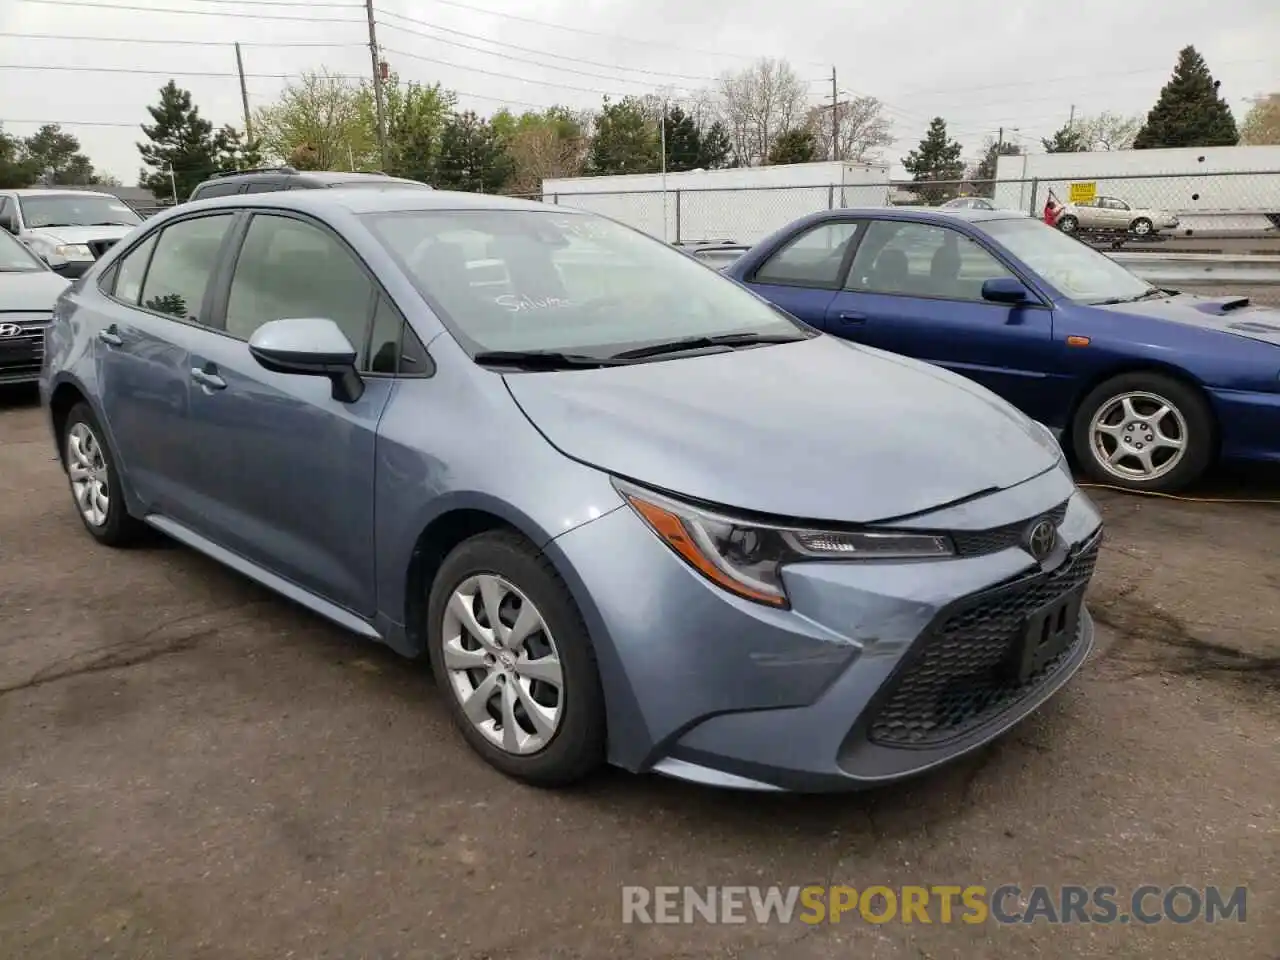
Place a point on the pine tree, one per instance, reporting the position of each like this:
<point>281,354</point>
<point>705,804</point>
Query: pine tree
<point>233,152</point>
<point>181,141</point>
<point>716,147</point>
<point>684,143</point>
<point>1066,139</point>
<point>985,174</point>
<point>625,140</point>
<point>471,156</point>
<point>936,159</point>
<point>794,146</point>
<point>1189,112</point>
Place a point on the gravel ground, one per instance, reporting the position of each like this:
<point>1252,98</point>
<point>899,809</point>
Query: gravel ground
<point>194,768</point>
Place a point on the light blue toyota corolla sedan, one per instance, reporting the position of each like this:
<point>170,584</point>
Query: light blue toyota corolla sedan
<point>629,510</point>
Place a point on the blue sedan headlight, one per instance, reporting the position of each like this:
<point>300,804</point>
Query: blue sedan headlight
<point>746,557</point>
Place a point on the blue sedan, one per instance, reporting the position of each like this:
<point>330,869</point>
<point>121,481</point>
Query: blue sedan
<point>592,481</point>
<point>1147,387</point>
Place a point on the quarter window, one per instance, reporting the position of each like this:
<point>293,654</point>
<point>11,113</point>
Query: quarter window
<point>291,269</point>
<point>812,259</point>
<point>185,257</point>
<point>921,260</point>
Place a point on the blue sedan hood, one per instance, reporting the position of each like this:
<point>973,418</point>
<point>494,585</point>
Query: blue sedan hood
<point>818,429</point>
<point>1208,313</point>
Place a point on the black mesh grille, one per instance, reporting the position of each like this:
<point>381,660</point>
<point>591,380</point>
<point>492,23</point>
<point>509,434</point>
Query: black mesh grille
<point>978,542</point>
<point>959,676</point>
<point>21,355</point>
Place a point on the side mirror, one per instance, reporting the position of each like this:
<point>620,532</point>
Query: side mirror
<point>309,347</point>
<point>1005,290</point>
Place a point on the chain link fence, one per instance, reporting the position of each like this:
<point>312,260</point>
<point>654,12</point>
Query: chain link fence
<point>1205,205</point>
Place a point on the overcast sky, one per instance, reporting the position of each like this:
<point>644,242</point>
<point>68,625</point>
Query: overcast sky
<point>981,64</point>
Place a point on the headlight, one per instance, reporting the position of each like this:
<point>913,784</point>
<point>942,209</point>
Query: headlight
<point>746,558</point>
<point>73,251</point>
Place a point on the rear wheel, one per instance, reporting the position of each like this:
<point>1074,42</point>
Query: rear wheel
<point>1144,431</point>
<point>511,653</point>
<point>95,480</point>
<point>1068,224</point>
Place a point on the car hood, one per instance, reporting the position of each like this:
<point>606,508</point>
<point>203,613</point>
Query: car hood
<point>79,234</point>
<point>1208,313</point>
<point>818,429</point>
<point>33,292</point>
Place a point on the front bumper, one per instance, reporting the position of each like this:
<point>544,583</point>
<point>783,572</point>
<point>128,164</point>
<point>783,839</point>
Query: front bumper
<point>879,671</point>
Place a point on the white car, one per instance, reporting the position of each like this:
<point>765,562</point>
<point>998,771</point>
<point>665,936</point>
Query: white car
<point>68,229</point>
<point>1114,214</point>
<point>28,291</point>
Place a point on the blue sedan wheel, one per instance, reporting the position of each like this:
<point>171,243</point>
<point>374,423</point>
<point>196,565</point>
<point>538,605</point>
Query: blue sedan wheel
<point>1144,431</point>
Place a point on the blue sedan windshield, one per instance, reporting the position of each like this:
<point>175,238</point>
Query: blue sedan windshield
<point>565,282</point>
<point>1079,271</point>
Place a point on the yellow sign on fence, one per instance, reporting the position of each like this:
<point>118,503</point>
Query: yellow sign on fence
<point>1083,192</point>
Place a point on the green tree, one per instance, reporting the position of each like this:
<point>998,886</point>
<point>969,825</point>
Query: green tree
<point>181,141</point>
<point>323,117</point>
<point>51,153</point>
<point>15,171</point>
<point>1262,125</point>
<point>1066,139</point>
<point>794,146</point>
<point>233,152</point>
<point>936,163</point>
<point>684,141</point>
<point>1189,112</point>
<point>471,156</point>
<point>985,173</point>
<point>716,147</point>
<point>625,140</point>
<point>416,117</point>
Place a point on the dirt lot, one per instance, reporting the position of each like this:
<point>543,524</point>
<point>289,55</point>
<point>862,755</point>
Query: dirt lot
<point>192,768</point>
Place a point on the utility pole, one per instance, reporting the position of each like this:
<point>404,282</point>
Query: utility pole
<point>244,95</point>
<point>835,116</point>
<point>999,141</point>
<point>1071,120</point>
<point>377,86</point>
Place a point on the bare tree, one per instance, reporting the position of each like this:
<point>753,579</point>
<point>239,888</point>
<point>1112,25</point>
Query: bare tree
<point>1262,125</point>
<point>542,153</point>
<point>759,104</point>
<point>1108,131</point>
<point>864,129</point>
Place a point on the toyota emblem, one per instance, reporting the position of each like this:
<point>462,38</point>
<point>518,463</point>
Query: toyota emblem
<point>9,329</point>
<point>1041,537</point>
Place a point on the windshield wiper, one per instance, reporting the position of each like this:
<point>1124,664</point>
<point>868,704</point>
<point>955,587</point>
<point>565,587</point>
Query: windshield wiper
<point>541,359</point>
<point>702,343</point>
<point>1153,292</point>
<point>111,223</point>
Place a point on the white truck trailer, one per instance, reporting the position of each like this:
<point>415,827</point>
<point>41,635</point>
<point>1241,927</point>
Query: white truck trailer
<point>743,204</point>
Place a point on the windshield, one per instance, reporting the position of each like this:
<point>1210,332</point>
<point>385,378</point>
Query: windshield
<point>1079,271</point>
<point>16,258</point>
<point>516,280</point>
<point>75,210</point>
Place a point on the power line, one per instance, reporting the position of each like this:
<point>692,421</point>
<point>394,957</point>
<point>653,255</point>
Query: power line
<point>192,43</point>
<point>505,76</point>
<point>192,13</point>
<point>220,74</point>
<point>554,56</point>
<point>580,30</point>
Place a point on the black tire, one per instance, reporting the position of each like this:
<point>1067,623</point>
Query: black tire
<point>119,528</point>
<point>577,747</point>
<point>1201,430</point>
<point>1142,227</point>
<point>1068,224</point>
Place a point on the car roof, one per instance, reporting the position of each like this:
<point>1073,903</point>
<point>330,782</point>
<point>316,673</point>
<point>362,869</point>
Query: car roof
<point>362,201</point>
<point>920,214</point>
<point>42,192</point>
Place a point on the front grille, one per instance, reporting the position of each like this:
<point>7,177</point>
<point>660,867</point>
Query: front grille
<point>99,247</point>
<point>958,677</point>
<point>978,542</point>
<point>21,355</point>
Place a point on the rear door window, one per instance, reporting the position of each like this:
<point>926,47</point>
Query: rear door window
<point>186,254</point>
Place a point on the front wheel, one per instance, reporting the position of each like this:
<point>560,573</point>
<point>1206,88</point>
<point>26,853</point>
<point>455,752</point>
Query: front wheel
<point>1068,224</point>
<point>1144,431</point>
<point>1141,227</point>
<point>512,656</point>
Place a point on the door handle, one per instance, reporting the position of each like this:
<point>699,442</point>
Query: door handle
<point>207,378</point>
<point>110,337</point>
<point>852,316</point>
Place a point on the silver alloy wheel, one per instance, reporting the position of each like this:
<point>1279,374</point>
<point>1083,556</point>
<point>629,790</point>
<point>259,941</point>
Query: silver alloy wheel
<point>1142,228</point>
<point>503,664</point>
<point>88,471</point>
<point>1067,224</point>
<point>1130,436</point>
